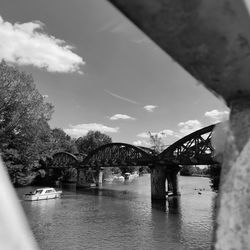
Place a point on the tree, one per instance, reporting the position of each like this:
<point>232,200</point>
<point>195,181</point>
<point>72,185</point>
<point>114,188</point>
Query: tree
<point>127,169</point>
<point>20,101</point>
<point>214,172</point>
<point>187,170</point>
<point>33,143</point>
<point>24,115</point>
<point>62,142</point>
<point>91,141</point>
<point>156,142</point>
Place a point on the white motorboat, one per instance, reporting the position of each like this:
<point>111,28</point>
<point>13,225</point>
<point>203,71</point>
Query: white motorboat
<point>108,180</point>
<point>42,194</point>
<point>131,177</point>
<point>118,179</point>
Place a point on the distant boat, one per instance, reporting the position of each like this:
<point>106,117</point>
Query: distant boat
<point>170,193</point>
<point>126,176</point>
<point>118,179</point>
<point>109,180</point>
<point>42,194</point>
<point>130,177</point>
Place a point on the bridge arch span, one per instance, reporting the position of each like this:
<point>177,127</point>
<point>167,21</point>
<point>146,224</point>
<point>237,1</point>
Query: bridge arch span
<point>118,154</point>
<point>193,149</point>
<point>64,160</point>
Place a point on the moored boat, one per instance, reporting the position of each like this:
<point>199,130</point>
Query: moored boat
<point>43,194</point>
<point>118,179</point>
<point>131,177</point>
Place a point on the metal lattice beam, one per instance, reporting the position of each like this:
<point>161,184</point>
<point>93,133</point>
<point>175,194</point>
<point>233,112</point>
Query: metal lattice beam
<point>64,160</point>
<point>118,154</point>
<point>193,149</point>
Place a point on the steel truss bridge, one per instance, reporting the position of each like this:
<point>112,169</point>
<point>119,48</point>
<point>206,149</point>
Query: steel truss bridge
<point>193,149</point>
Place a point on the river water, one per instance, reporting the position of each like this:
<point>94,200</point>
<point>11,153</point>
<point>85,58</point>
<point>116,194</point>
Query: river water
<point>123,217</point>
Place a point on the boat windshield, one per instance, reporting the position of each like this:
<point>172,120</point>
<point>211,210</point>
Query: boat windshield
<point>38,191</point>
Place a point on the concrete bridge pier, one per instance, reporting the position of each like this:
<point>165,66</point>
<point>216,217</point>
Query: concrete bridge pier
<point>88,177</point>
<point>158,182</point>
<point>173,183</point>
<point>85,178</point>
<point>170,187</point>
<point>100,177</point>
<point>81,178</point>
<point>159,175</point>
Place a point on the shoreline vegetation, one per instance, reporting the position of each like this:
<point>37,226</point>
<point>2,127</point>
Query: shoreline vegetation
<point>210,171</point>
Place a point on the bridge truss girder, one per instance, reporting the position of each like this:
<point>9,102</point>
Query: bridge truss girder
<point>64,160</point>
<point>117,155</point>
<point>193,149</point>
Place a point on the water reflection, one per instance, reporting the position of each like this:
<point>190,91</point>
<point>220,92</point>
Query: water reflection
<point>167,218</point>
<point>160,205</point>
<point>174,205</point>
<point>170,205</point>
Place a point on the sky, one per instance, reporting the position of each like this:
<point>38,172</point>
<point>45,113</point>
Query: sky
<point>102,73</point>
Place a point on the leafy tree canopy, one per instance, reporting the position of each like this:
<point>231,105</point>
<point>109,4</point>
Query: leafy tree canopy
<point>91,141</point>
<point>24,115</point>
<point>62,142</point>
<point>21,105</point>
<point>214,172</point>
<point>156,142</point>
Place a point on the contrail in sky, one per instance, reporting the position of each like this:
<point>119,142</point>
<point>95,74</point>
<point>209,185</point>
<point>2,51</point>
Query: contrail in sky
<point>120,97</point>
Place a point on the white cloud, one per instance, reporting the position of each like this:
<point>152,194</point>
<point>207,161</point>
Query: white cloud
<point>217,116</point>
<point>120,97</point>
<point>169,136</point>
<point>108,26</point>
<point>82,129</point>
<point>166,136</point>
<point>143,135</point>
<point>118,27</point>
<point>142,143</point>
<point>141,40</point>
<point>162,134</point>
<point>122,117</point>
<point>166,132</point>
<point>189,126</point>
<point>28,44</point>
<point>123,27</point>
<point>150,108</point>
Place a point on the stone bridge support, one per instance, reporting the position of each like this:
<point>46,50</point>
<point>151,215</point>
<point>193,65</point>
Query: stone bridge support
<point>81,181</point>
<point>100,177</point>
<point>173,182</point>
<point>159,175</point>
<point>88,177</point>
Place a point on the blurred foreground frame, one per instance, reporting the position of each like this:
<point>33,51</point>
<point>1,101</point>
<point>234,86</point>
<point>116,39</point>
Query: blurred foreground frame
<point>211,40</point>
<point>15,233</point>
